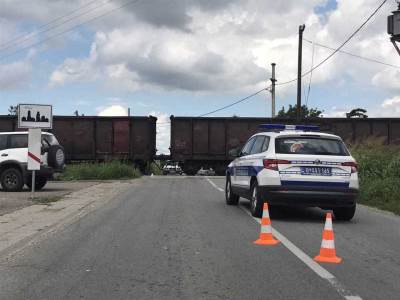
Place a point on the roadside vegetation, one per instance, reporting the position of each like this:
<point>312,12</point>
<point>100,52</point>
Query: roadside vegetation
<point>100,171</point>
<point>154,168</point>
<point>379,172</point>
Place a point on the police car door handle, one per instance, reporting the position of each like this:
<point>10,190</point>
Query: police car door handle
<point>4,154</point>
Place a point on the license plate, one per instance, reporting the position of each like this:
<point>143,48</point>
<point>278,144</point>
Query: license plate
<point>318,171</point>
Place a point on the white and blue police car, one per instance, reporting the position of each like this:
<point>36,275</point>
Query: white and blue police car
<point>294,165</point>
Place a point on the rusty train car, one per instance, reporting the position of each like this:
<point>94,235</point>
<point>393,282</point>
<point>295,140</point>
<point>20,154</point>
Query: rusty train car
<point>93,138</point>
<point>205,142</point>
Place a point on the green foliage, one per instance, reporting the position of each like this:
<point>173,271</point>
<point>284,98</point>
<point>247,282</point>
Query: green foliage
<point>154,168</point>
<point>100,171</point>
<point>379,173</point>
<point>13,110</point>
<point>305,112</point>
<point>357,113</point>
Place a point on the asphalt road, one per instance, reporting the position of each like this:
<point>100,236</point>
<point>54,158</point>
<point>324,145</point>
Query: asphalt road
<point>174,238</point>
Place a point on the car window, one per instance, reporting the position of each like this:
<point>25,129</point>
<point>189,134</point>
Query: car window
<point>310,146</point>
<point>266,144</point>
<point>19,141</point>
<point>246,149</point>
<point>3,142</point>
<point>258,144</point>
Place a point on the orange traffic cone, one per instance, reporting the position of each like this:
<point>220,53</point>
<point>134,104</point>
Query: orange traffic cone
<point>266,237</point>
<point>328,251</point>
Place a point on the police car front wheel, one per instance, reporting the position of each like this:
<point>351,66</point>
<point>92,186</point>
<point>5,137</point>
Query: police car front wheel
<point>230,197</point>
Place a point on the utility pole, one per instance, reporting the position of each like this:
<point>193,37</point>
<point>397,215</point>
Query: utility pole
<point>299,72</point>
<point>273,80</point>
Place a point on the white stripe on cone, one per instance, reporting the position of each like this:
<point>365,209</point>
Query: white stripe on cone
<point>328,244</point>
<point>328,224</point>
<point>265,213</point>
<point>266,229</point>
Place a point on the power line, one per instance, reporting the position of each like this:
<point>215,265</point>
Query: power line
<point>28,35</point>
<point>71,28</point>
<point>224,107</point>
<point>340,47</point>
<point>354,55</point>
<point>232,104</point>
<point>309,82</point>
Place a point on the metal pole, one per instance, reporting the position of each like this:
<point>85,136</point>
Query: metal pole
<point>299,72</point>
<point>33,185</point>
<point>273,80</point>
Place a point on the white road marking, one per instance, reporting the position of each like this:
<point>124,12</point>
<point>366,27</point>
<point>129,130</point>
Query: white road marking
<point>215,186</point>
<point>308,261</point>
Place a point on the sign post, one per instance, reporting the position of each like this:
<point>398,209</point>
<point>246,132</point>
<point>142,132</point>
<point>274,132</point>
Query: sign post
<point>34,153</point>
<point>35,117</point>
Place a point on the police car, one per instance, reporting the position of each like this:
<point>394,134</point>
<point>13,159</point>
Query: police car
<point>294,165</point>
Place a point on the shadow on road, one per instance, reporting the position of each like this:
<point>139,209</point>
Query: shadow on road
<point>293,214</point>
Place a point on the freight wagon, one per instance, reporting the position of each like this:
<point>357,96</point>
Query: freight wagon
<point>92,138</point>
<point>206,142</point>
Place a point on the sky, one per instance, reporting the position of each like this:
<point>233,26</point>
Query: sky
<point>189,57</point>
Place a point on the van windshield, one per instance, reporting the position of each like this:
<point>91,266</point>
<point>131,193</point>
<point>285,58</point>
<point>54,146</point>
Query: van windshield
<point>310,146</point>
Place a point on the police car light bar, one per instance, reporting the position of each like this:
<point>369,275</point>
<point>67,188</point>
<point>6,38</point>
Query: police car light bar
<point>281,127</point>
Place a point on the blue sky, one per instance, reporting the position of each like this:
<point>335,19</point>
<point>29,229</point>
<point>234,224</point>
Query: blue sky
<point>195,57</point>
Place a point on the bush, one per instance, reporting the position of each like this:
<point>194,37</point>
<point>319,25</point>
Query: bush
<point>100,171</point>
<point>154,168</point>
<point>379,173</point>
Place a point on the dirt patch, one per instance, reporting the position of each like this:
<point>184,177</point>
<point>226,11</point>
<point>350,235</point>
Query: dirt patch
<point>54,190</point>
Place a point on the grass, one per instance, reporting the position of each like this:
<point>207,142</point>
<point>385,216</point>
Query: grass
<point>100,171</point>
<point>379,173</point>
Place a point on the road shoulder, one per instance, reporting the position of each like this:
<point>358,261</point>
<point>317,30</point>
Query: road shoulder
<point>22,227</point>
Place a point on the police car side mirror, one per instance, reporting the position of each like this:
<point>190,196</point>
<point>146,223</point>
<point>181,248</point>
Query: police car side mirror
<point>234,152</point>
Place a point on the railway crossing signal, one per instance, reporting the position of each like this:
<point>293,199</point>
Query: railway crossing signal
<point>393,27</point>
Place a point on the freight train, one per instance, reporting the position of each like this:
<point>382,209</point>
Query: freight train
<point>195,142</point>
<point>93,138</point>
<point>206,142</point>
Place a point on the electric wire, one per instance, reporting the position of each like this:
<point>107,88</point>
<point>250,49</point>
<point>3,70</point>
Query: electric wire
<point>224,107</point>
<point>310,79</point>
<point>354,55</point>
<point>70,29</point>
<point>340,47</point>
<point>26,36</point>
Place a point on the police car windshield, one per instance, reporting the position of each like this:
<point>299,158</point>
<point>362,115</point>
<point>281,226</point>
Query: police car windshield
<point>310,146</point>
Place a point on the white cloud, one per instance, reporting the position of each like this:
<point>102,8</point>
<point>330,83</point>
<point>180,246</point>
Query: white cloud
<point>387,79</point>
<point>336,112</point>
<point>163,132</point>
<point>15,75</point>
<point>392,102</point>
<point>114,110</point>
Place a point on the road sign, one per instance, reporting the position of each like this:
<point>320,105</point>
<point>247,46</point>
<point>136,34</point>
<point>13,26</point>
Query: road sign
<point>35,116</point>
<point>34,148</point>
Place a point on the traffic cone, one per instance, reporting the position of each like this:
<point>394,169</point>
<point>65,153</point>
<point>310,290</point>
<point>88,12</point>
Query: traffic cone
<point>266,237</point>
<point>328,251</point>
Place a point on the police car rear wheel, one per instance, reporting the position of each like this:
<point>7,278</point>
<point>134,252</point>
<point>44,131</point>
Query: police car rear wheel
<point>344,213</point>
<point>256,203</point>
<point>231,198</point>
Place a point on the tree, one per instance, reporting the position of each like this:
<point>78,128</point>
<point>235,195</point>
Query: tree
<point>13,110</point>
<point>357,113</point>
<point>305,112</point>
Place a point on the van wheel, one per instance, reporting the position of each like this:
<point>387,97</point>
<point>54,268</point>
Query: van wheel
<point>230,197</point>
<point>40,182</point>
<point>256,203</point>
<point>11,180</point>
<point>344,213</point>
